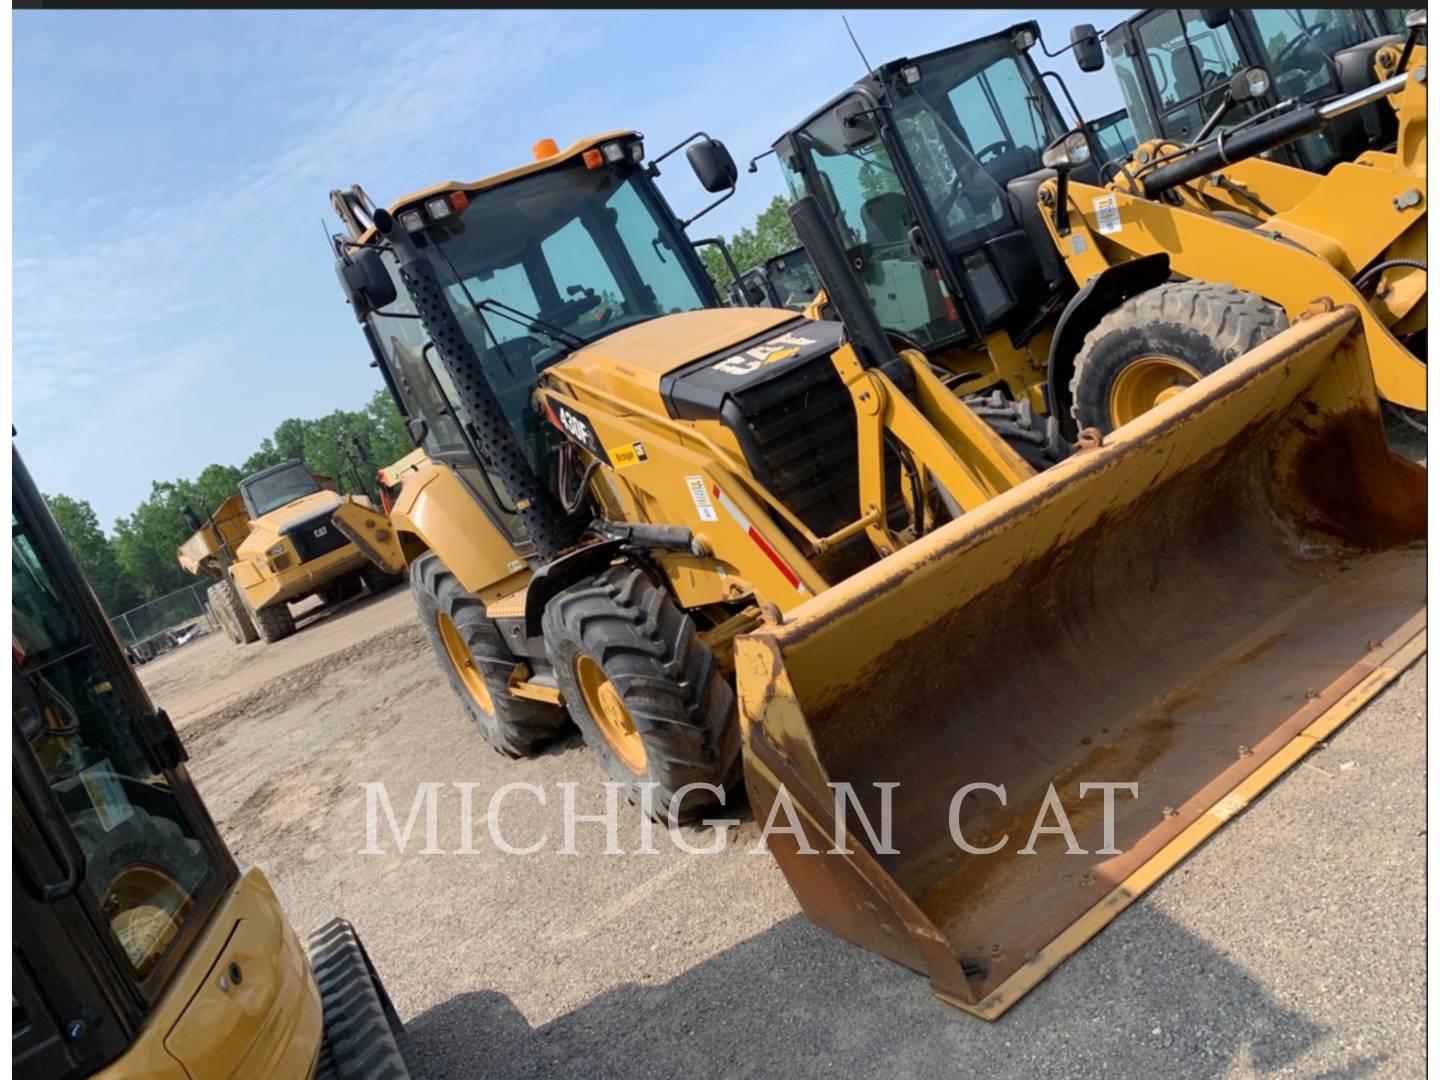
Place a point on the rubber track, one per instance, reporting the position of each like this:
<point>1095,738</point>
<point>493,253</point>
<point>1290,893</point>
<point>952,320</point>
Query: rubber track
<point>363,1037</point>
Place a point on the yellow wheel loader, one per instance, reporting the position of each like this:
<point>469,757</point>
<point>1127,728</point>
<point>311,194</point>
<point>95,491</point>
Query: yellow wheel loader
<point>286,534</point>
<point>140,948</point>
<point>1172,67</point>
<point>931,171</point>
<point>669,517</point>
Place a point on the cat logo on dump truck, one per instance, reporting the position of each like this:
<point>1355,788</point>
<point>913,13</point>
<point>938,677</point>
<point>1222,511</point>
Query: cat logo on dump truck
<point>767,352</point>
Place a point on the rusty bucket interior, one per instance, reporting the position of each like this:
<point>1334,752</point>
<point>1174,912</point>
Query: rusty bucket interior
<point>1189,607</point>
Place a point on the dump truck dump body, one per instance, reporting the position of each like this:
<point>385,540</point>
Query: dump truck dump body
<point>1187,608</point>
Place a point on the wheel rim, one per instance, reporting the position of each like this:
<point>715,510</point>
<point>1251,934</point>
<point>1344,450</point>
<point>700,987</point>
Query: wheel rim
<point>1146,382</point>
<point>603,703</point>
<point>463,663</point>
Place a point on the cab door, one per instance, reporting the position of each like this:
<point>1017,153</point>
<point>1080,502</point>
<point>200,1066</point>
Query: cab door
<point>117,865</point>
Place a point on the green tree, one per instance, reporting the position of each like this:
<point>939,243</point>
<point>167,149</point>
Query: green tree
<point>771,235</point>
<point>95,554</point>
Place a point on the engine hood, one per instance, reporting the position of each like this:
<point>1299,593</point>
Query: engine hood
<point>631,363</point>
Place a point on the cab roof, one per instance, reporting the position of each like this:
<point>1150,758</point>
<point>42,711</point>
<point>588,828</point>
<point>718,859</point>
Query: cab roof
<point>570,152</point>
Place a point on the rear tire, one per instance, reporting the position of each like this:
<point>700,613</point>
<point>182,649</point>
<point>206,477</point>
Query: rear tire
<point>1138,353</point>
<point>1038,441</point>
<point>233,614</point>
<point>657,677</point>
<point>377,580</point>
<point>275,622</point>
<point>516,727</point>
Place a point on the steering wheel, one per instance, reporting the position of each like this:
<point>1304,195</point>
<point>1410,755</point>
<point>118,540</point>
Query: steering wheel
<point>996,147</point>
<point>1292,46</point>
<point>570,311</point>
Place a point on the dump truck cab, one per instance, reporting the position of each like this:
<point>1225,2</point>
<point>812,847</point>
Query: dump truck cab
<point>928,168</point>
<point>140,947</point>
<point>1173,66</point>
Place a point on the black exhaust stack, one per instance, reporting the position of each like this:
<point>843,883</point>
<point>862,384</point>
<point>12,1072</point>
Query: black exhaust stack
<point>497,442</point>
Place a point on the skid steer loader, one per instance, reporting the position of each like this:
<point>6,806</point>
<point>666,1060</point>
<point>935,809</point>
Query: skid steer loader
<point>635,526</point>
<point>930,170</point>
<point>140,948</point>
<point>285,535</point>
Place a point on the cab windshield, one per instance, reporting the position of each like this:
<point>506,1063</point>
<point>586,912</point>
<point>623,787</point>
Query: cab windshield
<point>277,487</point>
<point>543,265</point>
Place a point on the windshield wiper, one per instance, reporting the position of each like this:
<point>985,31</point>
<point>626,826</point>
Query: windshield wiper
<point>530,322</point>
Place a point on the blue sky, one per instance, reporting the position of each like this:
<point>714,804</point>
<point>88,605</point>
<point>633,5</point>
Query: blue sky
<point>173,295</point>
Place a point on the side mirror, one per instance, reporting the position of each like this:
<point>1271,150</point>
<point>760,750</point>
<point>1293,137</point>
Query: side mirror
<point>418,429</point>
<point>1215,17</point>
<point>366,283</point>
<point>1415,20</point>
<point>857,127</point>
<point>713,165</point>
<point>1249,83</point>
<point>1085,43</point>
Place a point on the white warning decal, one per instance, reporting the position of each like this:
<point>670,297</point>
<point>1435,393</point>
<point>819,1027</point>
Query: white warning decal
<point>1107,214</point>
<point>701,498</point>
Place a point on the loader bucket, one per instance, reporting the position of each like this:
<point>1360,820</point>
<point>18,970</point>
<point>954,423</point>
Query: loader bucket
<point>1190,607</point>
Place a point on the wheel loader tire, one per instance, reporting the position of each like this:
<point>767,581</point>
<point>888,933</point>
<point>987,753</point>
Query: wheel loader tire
<point>478,663</point>
<point>377,580</point>
<point>124,865</point>
<point>645,692</point>
<point>343,589</point>
<point>1161,340</point>
<point>275,622</point>
<point>1036,440</point>
<point>234,616</point>
<point>364,1039</point>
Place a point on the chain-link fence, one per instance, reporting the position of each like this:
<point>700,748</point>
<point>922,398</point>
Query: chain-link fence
<point>166,613</point>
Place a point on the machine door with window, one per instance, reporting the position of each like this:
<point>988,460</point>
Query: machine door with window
<point>117,864</point>
<point>1173,71</point>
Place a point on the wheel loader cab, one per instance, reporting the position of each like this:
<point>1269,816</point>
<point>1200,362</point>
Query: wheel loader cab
<point>1173,66</point>
<point>918,165</point>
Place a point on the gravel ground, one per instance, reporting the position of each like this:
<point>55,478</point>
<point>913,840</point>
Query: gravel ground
<point>1292,944</point>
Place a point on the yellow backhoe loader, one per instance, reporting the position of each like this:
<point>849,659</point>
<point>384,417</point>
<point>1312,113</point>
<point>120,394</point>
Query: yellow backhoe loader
<point>938,173</point>
<point>140,949</point>
<point>286,534</point>
<point>636,504</point>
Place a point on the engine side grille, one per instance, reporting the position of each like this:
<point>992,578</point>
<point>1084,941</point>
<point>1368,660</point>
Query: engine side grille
<point>803,427</point>
<point>310,546</point>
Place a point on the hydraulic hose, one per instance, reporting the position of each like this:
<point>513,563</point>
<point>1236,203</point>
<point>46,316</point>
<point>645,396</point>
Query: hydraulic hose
<point>1389,264</point>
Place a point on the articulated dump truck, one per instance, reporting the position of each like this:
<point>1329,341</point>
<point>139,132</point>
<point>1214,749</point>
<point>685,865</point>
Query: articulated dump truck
<point>284,535</point>
<point>141,949</point>
<point>740,542</point>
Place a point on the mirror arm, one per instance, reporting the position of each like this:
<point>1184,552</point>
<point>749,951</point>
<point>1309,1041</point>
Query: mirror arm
<point>1062,201</point>
<point>652,167</point>
<point>724,254</point>
<point>696,217</point>
<point>1211,124</point>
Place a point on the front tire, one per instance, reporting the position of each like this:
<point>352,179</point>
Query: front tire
<point>1157,343</point>
<point>275,622</point>
<point>478,663</point>
<point>645,692</point>
<point>378,580</point>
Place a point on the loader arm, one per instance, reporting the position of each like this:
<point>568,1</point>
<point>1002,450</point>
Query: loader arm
<point>1203,247</point>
